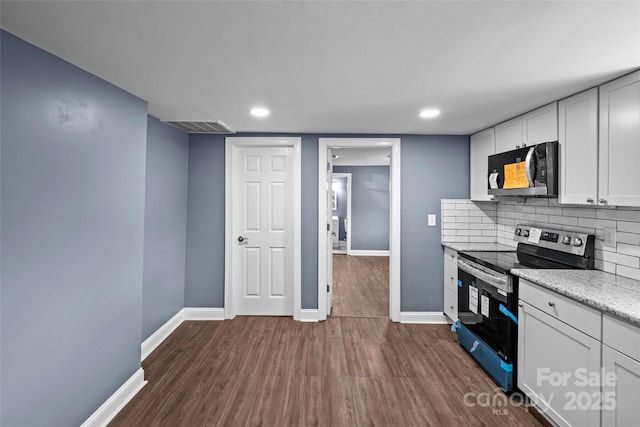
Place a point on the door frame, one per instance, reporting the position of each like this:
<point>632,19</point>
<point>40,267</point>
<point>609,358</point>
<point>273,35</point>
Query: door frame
<point>231,147</point>
<point>347,230</point>
<point>394,217</point>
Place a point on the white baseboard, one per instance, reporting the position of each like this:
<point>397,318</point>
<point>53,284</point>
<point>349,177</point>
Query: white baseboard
<point>368,253</point>
<point>203,313</point>
<point>309,315</point>
<point>161,334</point>
<point>109,409</point>
<point>423,317</point>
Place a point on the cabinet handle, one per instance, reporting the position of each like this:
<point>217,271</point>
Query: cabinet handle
<point>524,145</point>
<point>551,304</point>
<point>520,304</point>
<point>517,146</point>
<point>590,200</point>
<point>451,307</point>
<point>452,278</point>
<point>602,201</point>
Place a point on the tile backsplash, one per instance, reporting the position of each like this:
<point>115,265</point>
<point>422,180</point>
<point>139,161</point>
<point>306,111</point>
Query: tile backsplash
<point>466,221</point>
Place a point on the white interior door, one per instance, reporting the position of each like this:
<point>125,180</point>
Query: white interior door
<point>263,238</point>
<point>329,231</point>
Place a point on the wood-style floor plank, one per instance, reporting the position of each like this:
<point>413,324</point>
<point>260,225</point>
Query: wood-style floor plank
<point>360,286</point>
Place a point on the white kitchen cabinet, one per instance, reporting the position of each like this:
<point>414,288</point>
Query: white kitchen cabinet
<point>540,125</point>
<point>482,146</point>
<point>620,357</point>
<point>534,127</point>
<point>555,354</point>
<point>619,152</point>
<point>508,135</point>
<point>578,150</point>
<point>451,283</point>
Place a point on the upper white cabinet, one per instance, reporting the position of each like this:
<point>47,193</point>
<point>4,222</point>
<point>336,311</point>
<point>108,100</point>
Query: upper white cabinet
<point>509,135</point>
<point>482,146</point>
<point>619,175</point>
<point>540,125</point>
<point>578,151</point>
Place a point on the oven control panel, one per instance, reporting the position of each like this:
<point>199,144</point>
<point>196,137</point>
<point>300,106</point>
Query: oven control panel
<point>561,240</point>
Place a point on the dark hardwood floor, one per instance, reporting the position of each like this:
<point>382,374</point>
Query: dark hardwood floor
<point>346,371</point>
<point>355,369</point>
<point>360,286</point>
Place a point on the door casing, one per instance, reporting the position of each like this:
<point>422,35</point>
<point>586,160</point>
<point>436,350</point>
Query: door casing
<point>394,226</point>
<point>230,273</point>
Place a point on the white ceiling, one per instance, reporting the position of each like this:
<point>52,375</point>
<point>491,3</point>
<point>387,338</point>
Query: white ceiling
<point>340,66</point>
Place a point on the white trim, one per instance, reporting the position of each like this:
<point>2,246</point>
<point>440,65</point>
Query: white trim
<point>394,228</point>
<point>308,315</point>
<point>424,317</point>
<point>203,313</point>
<point>357,252</point>
<point>114,404</point>
<point>231,144</point>
<point>161,334</point>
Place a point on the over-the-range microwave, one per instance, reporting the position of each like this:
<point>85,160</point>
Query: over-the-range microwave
<point>528,171</point>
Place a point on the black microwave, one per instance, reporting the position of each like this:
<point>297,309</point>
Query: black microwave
<point>527,171</point>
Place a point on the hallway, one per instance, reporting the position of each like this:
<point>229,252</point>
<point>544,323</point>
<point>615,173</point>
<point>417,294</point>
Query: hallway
<point>360,286</point>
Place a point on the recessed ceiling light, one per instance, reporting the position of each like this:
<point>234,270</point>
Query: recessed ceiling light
<point>432,112</point>
<point>259,112</point>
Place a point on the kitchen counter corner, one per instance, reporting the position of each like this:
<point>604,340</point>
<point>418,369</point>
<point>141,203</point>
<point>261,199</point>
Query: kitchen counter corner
<point>612,294</point>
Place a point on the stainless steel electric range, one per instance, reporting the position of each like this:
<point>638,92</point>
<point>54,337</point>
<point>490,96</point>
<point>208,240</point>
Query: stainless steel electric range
<point>488,293</point>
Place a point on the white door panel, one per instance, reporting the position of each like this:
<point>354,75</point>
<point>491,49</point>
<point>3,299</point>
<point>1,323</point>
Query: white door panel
<point>265,223</point>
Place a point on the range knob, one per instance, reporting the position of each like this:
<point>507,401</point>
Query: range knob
<point>577,241</point>
<point>518,231</point>
<point>525,233</point>
<point>566,240</point>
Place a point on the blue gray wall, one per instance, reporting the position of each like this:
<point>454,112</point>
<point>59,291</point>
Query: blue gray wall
<point>204,277</point>
<point>433,168</point>
<point>165,224</point>
<point>72,201</point>
<point>370,203</point>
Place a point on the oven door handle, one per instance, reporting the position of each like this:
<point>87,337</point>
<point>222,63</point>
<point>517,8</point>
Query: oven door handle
<point>479,272</point>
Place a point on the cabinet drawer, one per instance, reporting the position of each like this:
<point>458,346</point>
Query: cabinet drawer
<point>621,336</point>
<point>451,304</point>
<point>451,256</point>
<point>564,309</point>
<point>451,276</point>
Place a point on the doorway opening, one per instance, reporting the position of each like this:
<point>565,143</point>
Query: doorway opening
<point>327,148</point>
<point>341,190</point>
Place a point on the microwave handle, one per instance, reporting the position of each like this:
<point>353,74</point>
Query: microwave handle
<point>528,163</point>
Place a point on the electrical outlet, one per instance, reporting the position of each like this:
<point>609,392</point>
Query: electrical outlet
<point>431,220</point>
<point>610,237</point>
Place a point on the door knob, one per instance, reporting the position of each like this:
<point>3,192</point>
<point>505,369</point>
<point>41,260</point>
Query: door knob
<point>242,239</point>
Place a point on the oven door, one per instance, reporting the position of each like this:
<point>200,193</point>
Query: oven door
<point>489,313</point>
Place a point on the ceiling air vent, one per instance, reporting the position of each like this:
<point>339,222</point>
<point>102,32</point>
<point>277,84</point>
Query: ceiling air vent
<point>202,127</point>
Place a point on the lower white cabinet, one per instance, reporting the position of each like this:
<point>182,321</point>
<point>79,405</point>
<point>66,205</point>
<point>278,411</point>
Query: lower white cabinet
<point>556,359</point>
<point>621,365</point>
<point>451,283</point>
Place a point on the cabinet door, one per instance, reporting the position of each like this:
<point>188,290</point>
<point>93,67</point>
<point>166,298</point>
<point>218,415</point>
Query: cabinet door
<point>509,135</point>
<point>451,304</point>
<point>578,151</point>
<point>619,175</point>
<point>621,396</point>
<point>482,146</point>
<point>540,125</point>
<point>553,357</point>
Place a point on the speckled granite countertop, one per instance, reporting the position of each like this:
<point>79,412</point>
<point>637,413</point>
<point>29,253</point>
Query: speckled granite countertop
<point>611,294</point>
<point>477,247</point>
